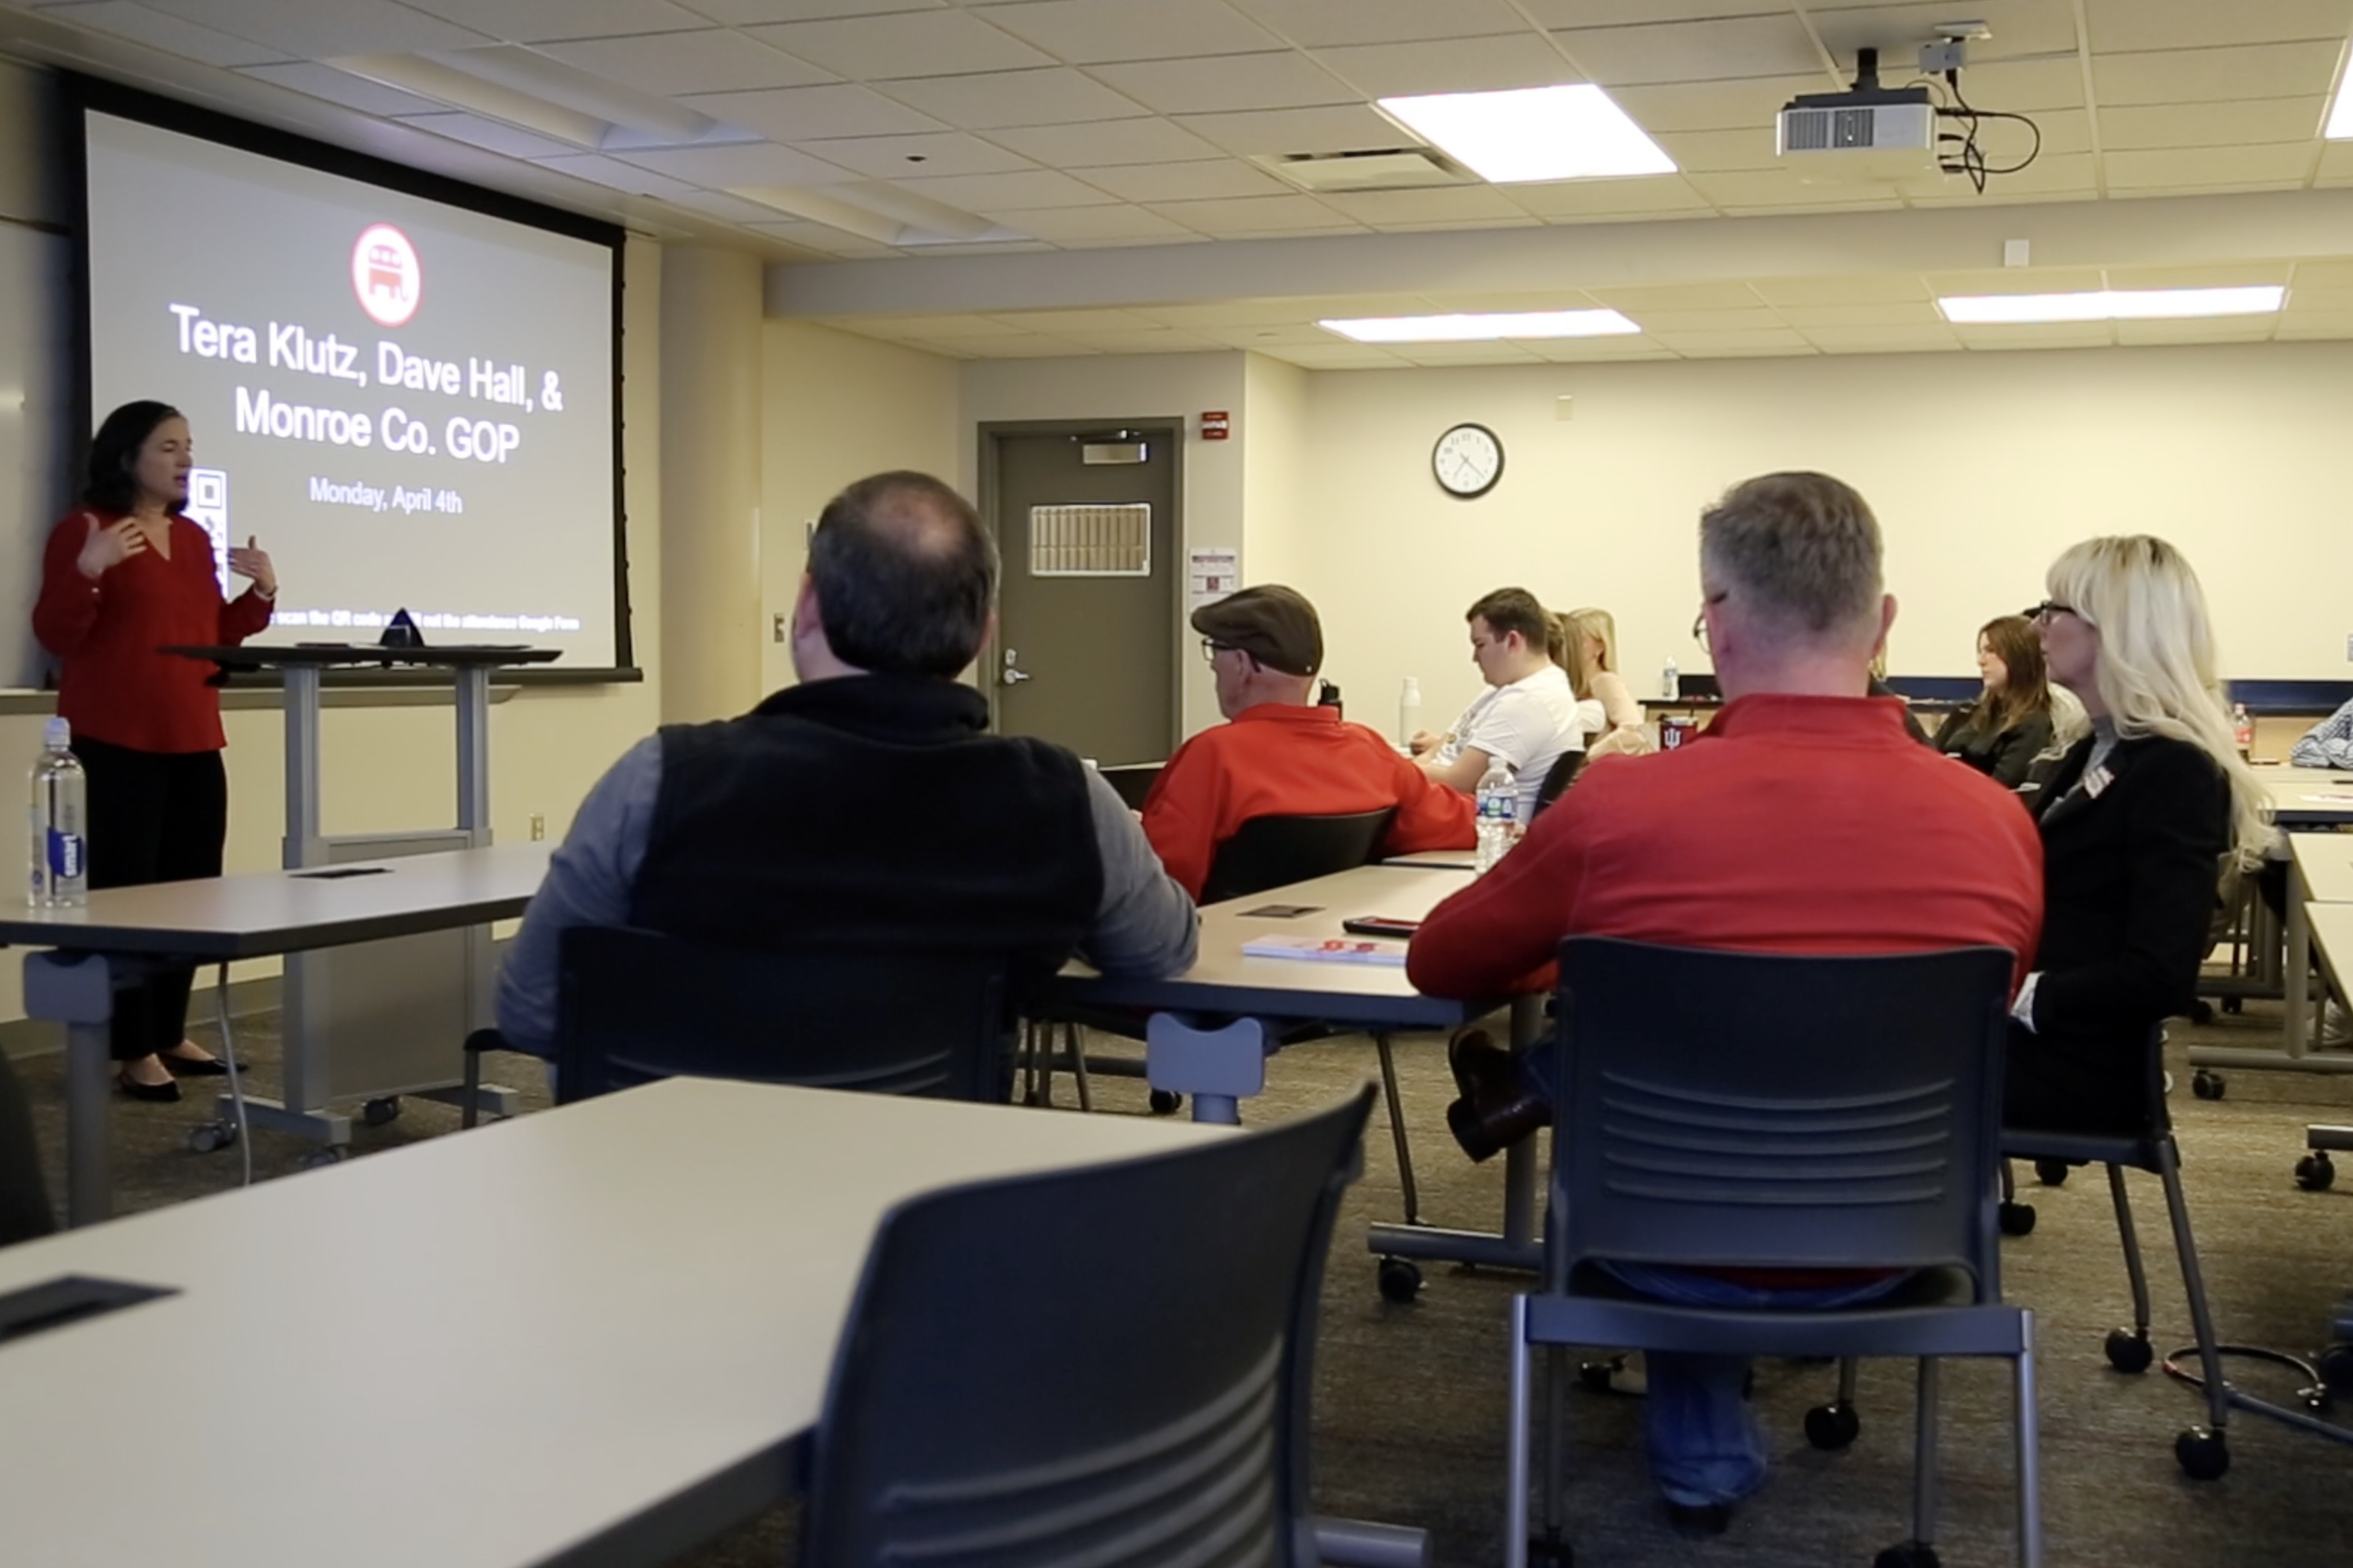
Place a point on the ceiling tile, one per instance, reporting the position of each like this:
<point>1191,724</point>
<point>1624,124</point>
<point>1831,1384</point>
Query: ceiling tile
<point>2212,329</point>
<point>1679,296</point>
<point>670,64</point>
<point>1589,351</point>
<point>1313,24</point>
<point>1448,204</point>
<point>1089,225</point>
<point>720,206</point>
<point>1090,32</point>
<point>351,91</point>
<point>1449,65</point>
<point>2322,275</point>
<point>936,153</point>
<point>1162,341</point>
<point>173,34</point>
<point>924,43</point>
<point>1717,152</point>
<point>1238,314</point>
<point>1056,322</point>
<point>1336,356</point>
<point>2206,76</point>
<point>985,248</point>
<point>1717,50</point>
<point>492,136</point>
<point>720,168</point>
<point>807,113</point>
<point>1338,128</point>
<point>1253,214</point>
<point>2188,168</point>
<point>1860,290</point>
<point>597,169</point>
<point>1478,302</point>
<point>2243,275</point>
<point>1918,313</point>
<point>1706,343</point>
<point>1755,317</point>
<point>2019,28</point>
<point>2073,175</point>
<point>2016,281</point>
<point>1284,79</point>
<point>2038,335</point>
<point>2135,127</point>
<point>1056,96</point>
<point>1611,12</point>
<point>1104,141</point>
<point>1660,195</point>
<point>1463,354</point>
<point>1782,188</point>
<point>2026,87</point>
<point>2318,297</point>
<point>935,327</point>
<point>1716,106</point>
<point>1186,182</point>
<point>831,241</point>
<point>316,32</point>
<point>1023,188</point>
<point>2317,326</point>
<point>2118,25</point>
<point>1125,242</point>
<point>743,12</point>
<point>1882,340</point>
<point>1027,346</point>
<point>547,21</point>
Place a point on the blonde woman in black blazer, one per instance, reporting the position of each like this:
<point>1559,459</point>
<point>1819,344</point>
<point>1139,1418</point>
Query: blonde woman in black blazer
<point>2135,818</point>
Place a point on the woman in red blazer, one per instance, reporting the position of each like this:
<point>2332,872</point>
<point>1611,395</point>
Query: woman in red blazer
<point>125,575</point>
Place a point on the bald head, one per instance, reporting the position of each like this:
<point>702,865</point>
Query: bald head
<point>904,575</point>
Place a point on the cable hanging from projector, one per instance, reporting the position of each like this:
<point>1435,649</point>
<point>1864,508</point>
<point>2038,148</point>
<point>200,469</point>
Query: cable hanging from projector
<point>1971,160</point>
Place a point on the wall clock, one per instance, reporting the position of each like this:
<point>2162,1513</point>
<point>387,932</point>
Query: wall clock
<point>1467,461</point>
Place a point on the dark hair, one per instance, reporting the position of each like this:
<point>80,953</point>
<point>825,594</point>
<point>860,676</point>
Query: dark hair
<point>114,452</point>
<point>904,575</point>
<point>1800,549</point>
<point>1514,610</point>
<point>2026,691</point>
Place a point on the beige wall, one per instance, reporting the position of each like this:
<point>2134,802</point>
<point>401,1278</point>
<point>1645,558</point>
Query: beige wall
<point>836,408</point>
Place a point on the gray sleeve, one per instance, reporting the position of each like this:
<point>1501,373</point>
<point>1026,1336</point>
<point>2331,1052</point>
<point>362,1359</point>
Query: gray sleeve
<point>589,881</point>
<point>1145,924</point>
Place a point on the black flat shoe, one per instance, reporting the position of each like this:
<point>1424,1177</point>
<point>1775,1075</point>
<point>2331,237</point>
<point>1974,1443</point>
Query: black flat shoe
<point>193,1066</point>
<point>160,1093</point>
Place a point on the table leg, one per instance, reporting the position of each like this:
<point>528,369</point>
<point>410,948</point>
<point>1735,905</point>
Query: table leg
<point>1217,1066</point>
<point>2299,965</point>
<point>77,991</point>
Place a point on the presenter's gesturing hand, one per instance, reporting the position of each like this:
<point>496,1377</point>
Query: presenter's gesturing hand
<point>249,559</point>
<point>107,548</point>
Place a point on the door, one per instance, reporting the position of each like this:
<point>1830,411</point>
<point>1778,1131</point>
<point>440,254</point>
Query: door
<point>1085,517</point>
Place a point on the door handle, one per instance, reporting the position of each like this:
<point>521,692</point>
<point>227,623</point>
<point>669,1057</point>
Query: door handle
<point>1014,675</point>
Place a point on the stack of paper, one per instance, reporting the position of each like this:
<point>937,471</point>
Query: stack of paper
<point>1327,949</point>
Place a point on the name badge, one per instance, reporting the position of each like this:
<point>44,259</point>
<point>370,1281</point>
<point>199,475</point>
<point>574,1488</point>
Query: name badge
<point>2098,779</point>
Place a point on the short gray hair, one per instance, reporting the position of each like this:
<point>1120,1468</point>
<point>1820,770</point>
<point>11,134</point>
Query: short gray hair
<point>1798,551</point>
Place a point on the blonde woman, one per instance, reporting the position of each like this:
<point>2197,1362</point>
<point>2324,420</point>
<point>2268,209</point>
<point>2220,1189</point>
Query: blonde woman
<point>2136,818</point>
<point>1590,638</point>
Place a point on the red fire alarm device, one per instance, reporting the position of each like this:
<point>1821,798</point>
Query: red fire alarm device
<point>1217,425</point>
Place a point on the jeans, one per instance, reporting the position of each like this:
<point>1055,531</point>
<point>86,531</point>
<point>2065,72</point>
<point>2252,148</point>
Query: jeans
<point>1701,1437</point>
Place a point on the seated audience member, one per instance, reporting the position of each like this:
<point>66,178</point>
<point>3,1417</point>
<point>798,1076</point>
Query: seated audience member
<point>2327,744</point>
<point>1613,720</point>
<point>1527,716</point>
<point>753,832</point>
<point>2010,724</point>
<point>2136,820</point>
<point>1282,756</point>
<point>1771,832</point>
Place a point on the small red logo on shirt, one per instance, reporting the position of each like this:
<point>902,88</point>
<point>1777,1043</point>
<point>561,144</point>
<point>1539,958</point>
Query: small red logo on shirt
<point>386,275</point>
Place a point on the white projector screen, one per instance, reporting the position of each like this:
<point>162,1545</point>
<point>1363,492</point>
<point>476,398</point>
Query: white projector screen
<point>409,402</point>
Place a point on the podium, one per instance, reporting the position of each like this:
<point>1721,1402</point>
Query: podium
<point>382,1019</point>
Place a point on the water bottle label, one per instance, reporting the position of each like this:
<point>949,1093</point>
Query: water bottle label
<point>1500,806</point>
<point>66,854</point>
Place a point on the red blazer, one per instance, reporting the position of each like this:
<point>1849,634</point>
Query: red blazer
<point>115,686</point>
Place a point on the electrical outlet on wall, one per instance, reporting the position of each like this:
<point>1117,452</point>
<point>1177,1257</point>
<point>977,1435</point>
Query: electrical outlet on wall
<point>778,632</point>
<point>538,826</point>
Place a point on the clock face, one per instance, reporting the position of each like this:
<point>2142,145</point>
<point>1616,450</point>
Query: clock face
<point>1467,461</point>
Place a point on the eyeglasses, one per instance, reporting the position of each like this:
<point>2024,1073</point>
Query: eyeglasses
<point>1211,648</point>
<point>1699,622</point>
<point>2050,607</point>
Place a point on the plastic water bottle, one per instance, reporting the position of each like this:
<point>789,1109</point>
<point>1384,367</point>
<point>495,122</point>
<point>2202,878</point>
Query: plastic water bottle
<point>1499,814</point>
<point>1670,683</point>
<point>1409,711</point>
<point>2242,729</point>
<point>60,811</point>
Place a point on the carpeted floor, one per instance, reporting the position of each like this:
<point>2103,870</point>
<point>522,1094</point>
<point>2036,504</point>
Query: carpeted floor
<point>1409,1417</point>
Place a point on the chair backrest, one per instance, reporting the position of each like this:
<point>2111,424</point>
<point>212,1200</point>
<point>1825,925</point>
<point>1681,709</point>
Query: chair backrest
<point>1108,1364</point>
<point>633,1006</point>
<point>23,1198</point>
<point>1271,851</point>
<point>1557,778</point>
<point>1764,1111</point>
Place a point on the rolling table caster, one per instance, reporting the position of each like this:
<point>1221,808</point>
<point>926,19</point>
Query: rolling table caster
<point>1550,1548</point>
<point>2129,1351</point>
<point>1400,1280</point>
<point>2208,1085</point>
<point>1910,1554</point>
<point>1832,1427</point>
<point>2316,1172</point>
<point>318,1158</point>
<point>381,1112</point>
<point>2052,1173</point>
<point>1166,1103</point>
<point>2202,1453</point>
<point>2016,1219</point>
<point>207,1136</point>
<point>2335,1367</point>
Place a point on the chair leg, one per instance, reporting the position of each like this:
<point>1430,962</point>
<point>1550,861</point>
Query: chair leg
<point>1556,1401</point>
<point>1396,1129</point>
<point>2130,1236</point>
<point>467,1115</point>
<point>1075,1038</point>
<point>1923,1458</point>
<point>2030,1453</point>
<point>2201,1317</point>
<point>1516,1460</point>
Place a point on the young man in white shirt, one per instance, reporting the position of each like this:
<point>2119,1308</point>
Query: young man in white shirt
<point>1527,716</point>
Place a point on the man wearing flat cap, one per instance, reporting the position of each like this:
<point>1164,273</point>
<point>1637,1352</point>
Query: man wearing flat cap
<point>1281,755</point>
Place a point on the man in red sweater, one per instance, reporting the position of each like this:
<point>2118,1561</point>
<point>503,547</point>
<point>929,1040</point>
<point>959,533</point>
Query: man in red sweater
<point>1803,821</point>
<point>1281,755</point>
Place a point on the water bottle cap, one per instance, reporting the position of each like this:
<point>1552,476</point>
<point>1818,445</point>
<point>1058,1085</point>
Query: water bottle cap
<point>56,735</point>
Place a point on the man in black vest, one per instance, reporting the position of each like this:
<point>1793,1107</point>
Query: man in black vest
<point>867,805</point>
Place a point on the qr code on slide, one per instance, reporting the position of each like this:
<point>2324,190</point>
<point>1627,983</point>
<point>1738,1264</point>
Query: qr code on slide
<point>209,507</point>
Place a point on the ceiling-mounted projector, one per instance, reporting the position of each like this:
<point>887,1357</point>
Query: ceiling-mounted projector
<point>1868,133</point>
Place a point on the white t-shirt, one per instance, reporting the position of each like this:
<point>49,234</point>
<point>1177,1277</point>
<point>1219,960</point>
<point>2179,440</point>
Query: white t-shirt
<point>1528,723</point>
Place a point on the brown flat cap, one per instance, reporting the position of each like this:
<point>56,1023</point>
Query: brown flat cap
<point>1274,624</point>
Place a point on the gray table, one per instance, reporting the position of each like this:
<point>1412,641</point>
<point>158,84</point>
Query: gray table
<point>121,931</point>
<point>1212,1027</point>
<point>2320,872</point>
<point>591,1336</point>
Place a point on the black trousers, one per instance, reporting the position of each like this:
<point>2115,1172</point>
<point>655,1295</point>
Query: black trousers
<point>154,817</point>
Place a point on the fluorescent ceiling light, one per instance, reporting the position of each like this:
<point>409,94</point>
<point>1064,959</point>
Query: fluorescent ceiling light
<point>1483,329</point>
<point>522,87</point>
<point>2340,113</point>
<point>1533,133</point>
<point>2110,305</point>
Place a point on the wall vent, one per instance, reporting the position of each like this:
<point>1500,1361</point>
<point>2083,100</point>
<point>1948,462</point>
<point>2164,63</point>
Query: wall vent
<point>1367,168</point>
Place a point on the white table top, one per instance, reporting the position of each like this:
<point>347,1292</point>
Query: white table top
<point>1223,979</point>
<point>480,1351</point>
<point>2326,862</point>
<point>2332,937</point>
<point>265,912</point>
<point>2310,796</point>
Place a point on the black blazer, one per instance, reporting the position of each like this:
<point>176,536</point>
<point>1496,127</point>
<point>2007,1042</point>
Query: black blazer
<point>2006,756</point>
<point>2129,875</point>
